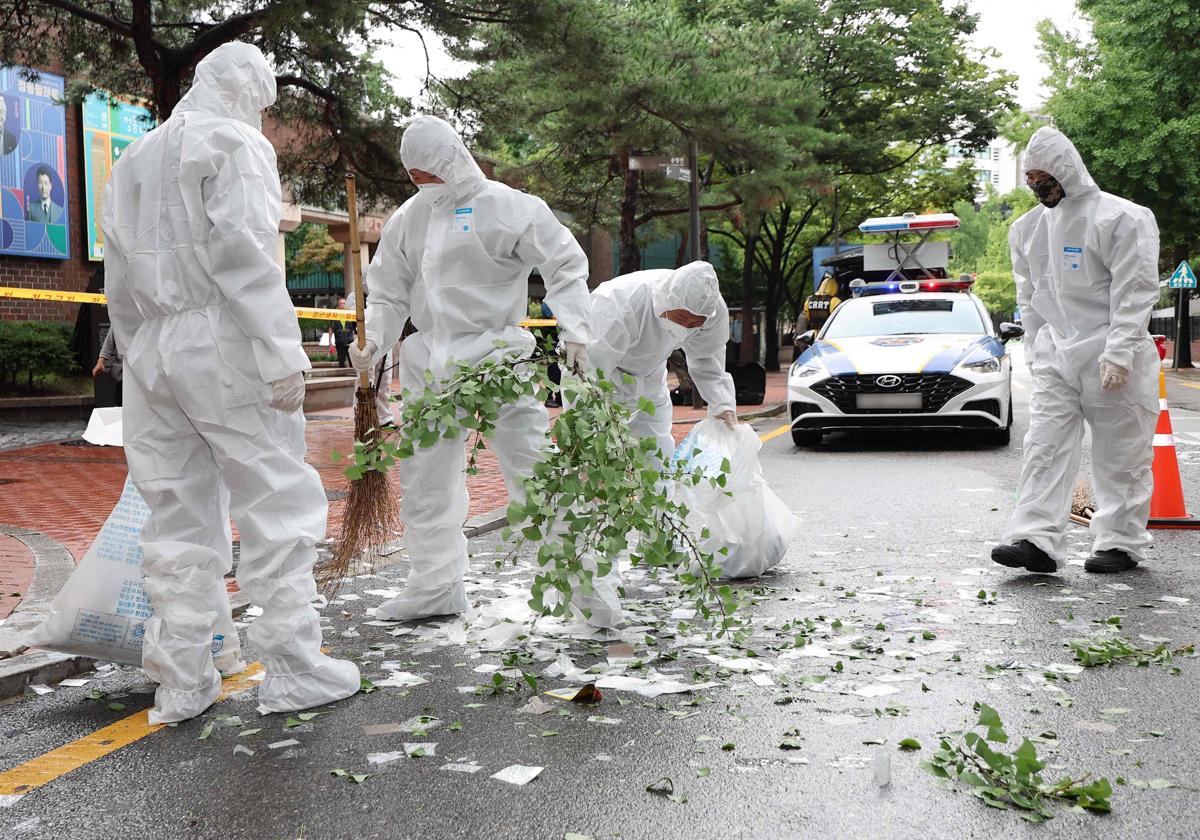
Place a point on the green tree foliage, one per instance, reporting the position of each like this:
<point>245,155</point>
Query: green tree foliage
<point>314,250</point>
<point>605,81</point>
<point>1127,100</point>
<point>339,112</point>
<point>786,97</point>
<point>981,246</point>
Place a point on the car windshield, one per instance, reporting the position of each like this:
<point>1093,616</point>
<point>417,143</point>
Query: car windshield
<point>905,316</point>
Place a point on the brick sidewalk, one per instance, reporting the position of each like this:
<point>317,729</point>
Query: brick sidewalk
<point>67,491</point>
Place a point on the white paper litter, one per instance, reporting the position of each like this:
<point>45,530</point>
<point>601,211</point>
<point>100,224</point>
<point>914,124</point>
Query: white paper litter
<point>241,749</point>
<point>385,757</point>
<point>278,745</point>
<point>427,749</point>
<point>875,690</point>
<point>518,774</point>
<point>470,767</point>
<point>40,689</point>
<point>75,682</point>
<point>605,720</point>
<point>400,679</point>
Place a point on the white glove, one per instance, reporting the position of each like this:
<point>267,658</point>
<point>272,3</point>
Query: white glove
<point>1112,376</point>
<point>287,394</point>
<point>729,418</point>
<point>361,359</point>
<point>577,358</point>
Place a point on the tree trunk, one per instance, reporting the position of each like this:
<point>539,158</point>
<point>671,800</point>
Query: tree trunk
<point>749,347</point>
<point>631,258</point>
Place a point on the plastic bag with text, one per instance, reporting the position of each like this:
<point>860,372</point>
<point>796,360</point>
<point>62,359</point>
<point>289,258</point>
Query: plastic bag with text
<point>102,610</point>
<point>745,516</point>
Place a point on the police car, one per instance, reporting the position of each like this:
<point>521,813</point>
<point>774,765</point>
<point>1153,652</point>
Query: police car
<point>904,354</point>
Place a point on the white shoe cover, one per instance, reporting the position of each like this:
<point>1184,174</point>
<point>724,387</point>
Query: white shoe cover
<point>329,681</point>
<point>172,705</point>
<point>415,603</point>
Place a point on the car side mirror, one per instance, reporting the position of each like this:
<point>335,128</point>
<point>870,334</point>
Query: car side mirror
<point>1010,331</point>
<point>807,339</point>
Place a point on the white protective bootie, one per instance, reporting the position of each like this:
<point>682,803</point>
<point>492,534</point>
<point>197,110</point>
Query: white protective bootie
<point>412,604</point>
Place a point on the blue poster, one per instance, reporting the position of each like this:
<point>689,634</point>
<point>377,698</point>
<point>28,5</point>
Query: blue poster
<point>35,216</point>
<point>109,125</point>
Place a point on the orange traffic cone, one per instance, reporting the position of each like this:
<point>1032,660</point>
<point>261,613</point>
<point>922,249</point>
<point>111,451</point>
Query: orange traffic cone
<point>1167,509</point>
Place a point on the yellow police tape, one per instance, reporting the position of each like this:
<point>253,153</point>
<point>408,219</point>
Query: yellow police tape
<point>301,311</point>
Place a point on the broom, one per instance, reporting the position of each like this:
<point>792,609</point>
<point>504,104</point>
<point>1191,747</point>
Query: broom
<point>371,516</point>
<point>1083,506</point>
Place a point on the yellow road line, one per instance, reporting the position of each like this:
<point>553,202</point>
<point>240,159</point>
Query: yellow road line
<point>1187,385</point>
<point>27,777</point>
<point>782,430</point>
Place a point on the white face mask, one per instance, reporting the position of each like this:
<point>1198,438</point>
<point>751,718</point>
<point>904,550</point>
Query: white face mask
<point>432,190</point>
<point>677,331</point>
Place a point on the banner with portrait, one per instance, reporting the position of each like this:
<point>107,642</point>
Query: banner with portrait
<point>35,218</point>
<point>109,125</point>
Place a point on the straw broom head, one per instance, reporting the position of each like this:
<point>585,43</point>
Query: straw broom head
<point>372,513</point>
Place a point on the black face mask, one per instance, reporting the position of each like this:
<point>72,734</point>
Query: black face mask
<point>1048,191</point>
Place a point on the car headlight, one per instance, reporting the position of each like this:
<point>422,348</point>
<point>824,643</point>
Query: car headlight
<point>988,365</point>
<point>805,371</point>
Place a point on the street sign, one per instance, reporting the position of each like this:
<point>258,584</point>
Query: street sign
<point>648,162</point>
<point>1183,278</point>
<point>678,172</point>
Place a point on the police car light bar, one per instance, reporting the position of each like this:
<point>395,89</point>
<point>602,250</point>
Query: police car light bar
<point>894,287</point>
<point>910,221</point>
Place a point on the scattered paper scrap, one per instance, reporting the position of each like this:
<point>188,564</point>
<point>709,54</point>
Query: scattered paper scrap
<point>278,745</point>
<point>385,757</point>
<point>518,774</point>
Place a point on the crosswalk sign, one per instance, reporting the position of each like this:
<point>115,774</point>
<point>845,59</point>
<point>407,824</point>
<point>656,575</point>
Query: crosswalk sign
<point>1183,278</point>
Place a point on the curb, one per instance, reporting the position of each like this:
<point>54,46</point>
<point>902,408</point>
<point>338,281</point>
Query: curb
<point>52,565</point>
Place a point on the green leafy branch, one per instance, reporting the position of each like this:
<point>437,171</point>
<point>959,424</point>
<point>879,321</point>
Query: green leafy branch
<point>1005,780</point>
<point>1093,653</point>
<point>596,493</point>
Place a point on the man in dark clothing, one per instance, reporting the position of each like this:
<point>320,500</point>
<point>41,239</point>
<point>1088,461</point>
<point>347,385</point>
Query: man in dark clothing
<point>343,336</point>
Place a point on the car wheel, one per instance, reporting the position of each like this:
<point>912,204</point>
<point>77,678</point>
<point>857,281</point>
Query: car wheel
<point>807,438</point>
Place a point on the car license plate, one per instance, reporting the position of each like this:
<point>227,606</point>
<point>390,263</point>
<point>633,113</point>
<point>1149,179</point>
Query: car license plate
<point>893,401</point>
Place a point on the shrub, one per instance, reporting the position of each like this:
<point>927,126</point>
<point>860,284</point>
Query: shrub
<point>34,350</point>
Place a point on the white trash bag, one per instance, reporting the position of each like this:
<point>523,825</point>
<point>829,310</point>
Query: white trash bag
<point>102,610</point>
<point>752,522</point>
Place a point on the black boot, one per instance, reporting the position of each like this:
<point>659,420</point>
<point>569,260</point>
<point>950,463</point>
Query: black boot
<point>1108,561</point>
<point>1024,555</point>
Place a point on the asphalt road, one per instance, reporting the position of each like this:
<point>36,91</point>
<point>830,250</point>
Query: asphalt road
<point>894,550</point>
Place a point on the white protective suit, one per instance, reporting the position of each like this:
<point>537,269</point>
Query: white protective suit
<point>456,258</point>
<point>631,336</point>
<point>191,218</point>
<point>1087,281</point>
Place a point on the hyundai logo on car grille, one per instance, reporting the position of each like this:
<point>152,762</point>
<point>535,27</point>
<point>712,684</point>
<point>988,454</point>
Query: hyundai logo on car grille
<point>888,380</point>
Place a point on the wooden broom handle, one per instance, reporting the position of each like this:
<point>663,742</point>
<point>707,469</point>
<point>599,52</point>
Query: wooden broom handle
<point>364,379</point>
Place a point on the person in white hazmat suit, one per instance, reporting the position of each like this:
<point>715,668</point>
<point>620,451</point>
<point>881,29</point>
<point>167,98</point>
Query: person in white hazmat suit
<point>214,385</point>
<point>639,319</point>
<point>456,258</point>
<point>1086,268</point>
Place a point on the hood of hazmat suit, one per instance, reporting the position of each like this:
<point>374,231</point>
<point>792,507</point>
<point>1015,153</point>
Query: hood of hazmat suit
<point>191,223</point>
<point>632,337</point>
<point>1087,281</point>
